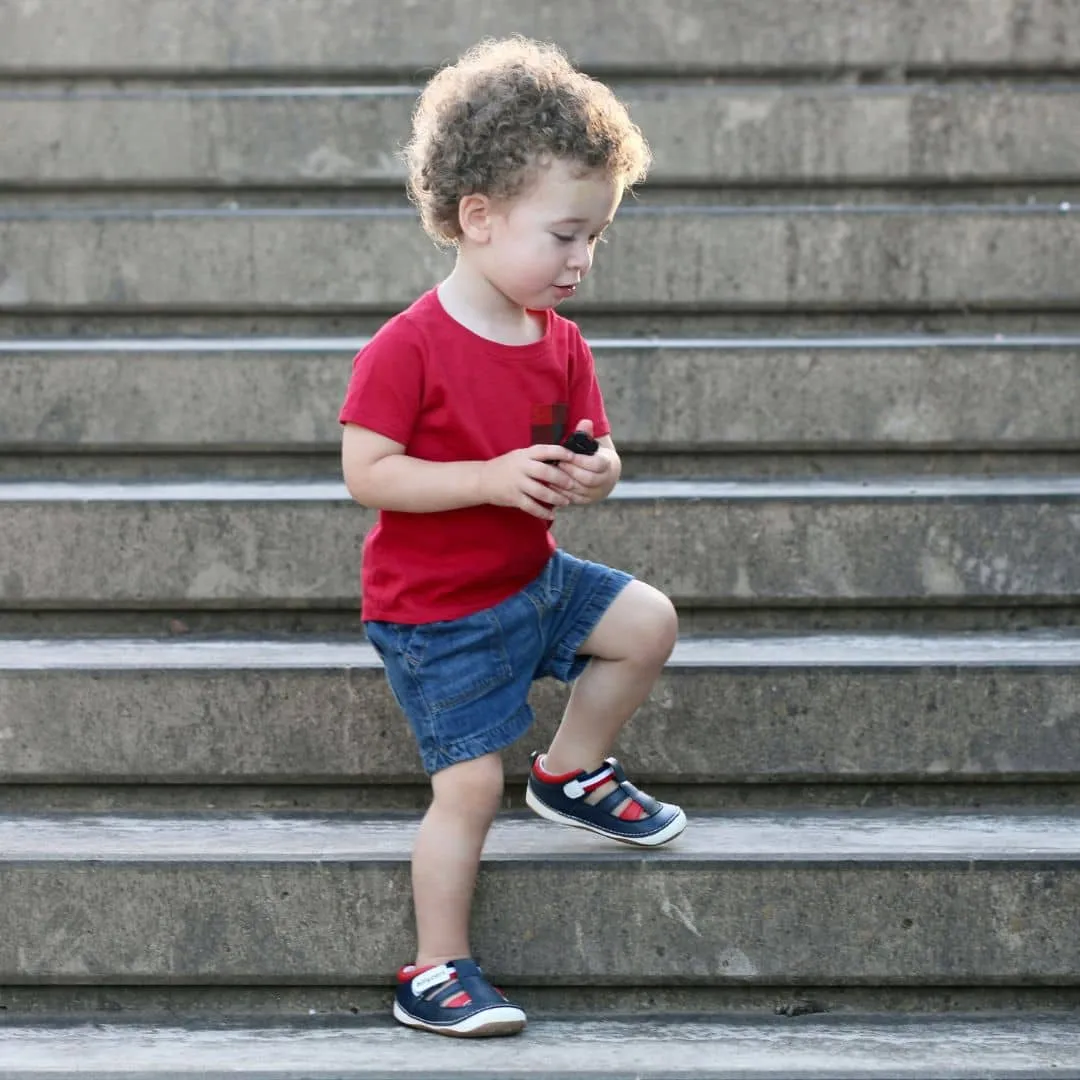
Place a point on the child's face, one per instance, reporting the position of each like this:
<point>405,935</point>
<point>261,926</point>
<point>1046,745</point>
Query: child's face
<point>541,243</point>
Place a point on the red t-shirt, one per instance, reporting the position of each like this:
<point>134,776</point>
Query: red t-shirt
<point>448,394</point>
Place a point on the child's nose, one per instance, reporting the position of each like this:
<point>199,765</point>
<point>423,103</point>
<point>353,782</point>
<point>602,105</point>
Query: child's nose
<point>580,258</point>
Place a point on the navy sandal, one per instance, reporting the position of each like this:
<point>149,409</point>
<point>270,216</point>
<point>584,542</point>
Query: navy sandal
<point>626,814</point>
<point>454,999</point>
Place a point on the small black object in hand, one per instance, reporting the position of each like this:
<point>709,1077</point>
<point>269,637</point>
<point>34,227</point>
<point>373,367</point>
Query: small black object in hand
<point>580,443</point>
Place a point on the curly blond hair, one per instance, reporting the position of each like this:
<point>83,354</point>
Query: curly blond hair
<point>486,123</point>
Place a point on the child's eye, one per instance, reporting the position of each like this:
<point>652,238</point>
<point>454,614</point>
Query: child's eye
<point>563,239</point>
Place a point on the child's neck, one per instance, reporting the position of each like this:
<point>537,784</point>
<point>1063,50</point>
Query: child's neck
<point>470,299</point>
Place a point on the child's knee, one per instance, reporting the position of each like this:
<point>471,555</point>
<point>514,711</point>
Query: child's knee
<point>471,789</point>
<point>656,624</point>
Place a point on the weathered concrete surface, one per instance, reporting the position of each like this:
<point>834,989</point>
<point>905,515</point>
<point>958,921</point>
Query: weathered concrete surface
<point>699,396</point>
<point>693,258</point>
<point>699,134</point>
<point>850,709</point>
<point>880,838</point>
<point>768,899</point>
<point>741,544</point>
<point>642,1048</point>
<point>323,1007</point>
<point>189,36</point>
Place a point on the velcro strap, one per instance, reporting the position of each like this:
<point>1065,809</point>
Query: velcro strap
<point>578,789</point>
<point>428,980</point>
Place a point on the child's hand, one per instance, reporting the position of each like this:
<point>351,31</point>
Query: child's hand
<point>524,479</point>
<point>590,475</point>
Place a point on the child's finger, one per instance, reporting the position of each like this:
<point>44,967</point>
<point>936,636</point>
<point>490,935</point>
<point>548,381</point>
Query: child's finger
<point>595,464</point>
<point>538,508</point>
<point>557,475</point>
<point>558,496</point>
<point>549,452</point>
<point>583,474</point>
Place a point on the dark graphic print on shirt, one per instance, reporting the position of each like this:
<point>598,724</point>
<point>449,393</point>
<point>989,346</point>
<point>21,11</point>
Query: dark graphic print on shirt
<point>549,423</point>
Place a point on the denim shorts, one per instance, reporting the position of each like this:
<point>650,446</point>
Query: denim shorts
<point>464,683</point>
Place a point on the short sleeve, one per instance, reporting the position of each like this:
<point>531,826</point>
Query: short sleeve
<point>387,386</point>
<point>586,400</point>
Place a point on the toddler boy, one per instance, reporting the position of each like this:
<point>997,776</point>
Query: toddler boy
<point>453,428</point>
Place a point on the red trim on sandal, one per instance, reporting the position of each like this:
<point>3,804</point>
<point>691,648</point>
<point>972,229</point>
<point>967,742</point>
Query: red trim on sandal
<point>589,781</point>
<point>553,778</point>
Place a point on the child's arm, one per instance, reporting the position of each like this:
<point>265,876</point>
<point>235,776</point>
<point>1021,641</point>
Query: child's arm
<point>379,474</point>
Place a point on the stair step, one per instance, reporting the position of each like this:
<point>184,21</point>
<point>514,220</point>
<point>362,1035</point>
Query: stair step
<point>725,1048</point>
<point>663,396</point>
<point>820,708</point>
<point>738,838</point>
<point>315,136</point>
<point>858,898</point>
<point>347,37</point>
<point>695,258</point>
<point>296,545</point>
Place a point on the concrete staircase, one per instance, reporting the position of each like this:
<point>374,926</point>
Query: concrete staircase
<point>839,336</point>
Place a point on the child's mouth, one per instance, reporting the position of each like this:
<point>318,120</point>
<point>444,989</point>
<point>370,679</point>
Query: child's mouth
<point>566,290</point>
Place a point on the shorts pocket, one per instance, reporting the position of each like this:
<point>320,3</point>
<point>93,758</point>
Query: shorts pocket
<point>459,661</point>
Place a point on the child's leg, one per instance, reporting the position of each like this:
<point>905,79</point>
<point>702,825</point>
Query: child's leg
<point>465,695</point>
<point>629,647</point>
<point>446,855</point>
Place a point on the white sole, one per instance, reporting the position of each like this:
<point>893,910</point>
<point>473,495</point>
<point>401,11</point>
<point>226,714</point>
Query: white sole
<point>672,829</point>
<point>501,1020</point>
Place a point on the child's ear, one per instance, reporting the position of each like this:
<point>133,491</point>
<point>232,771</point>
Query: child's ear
<point>474,217</point>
